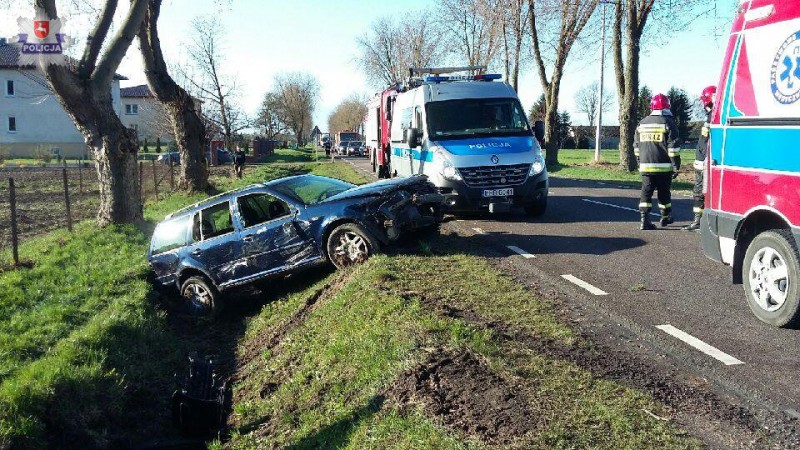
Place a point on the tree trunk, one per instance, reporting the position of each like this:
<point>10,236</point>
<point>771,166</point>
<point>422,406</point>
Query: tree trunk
<point>188,127</point>
<point>551,127</point>
<point>114,147</point>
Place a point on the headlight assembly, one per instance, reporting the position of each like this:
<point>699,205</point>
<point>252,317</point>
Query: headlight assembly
<point>538,165</point>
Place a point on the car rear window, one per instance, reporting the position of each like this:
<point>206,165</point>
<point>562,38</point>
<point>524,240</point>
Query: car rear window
<point>170,235</point>
<point>213,221</point>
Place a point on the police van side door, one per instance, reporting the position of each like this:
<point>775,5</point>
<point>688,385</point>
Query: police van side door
<point>401,153</point>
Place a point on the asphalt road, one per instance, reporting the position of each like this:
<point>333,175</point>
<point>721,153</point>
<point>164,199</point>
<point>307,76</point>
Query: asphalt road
<point>651,279</point>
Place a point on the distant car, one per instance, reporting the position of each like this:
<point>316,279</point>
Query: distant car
<point>341,149</point>
<point>355,148</point>
<point>277,228</point>
<point>224,157</point>
<point>166,157</point>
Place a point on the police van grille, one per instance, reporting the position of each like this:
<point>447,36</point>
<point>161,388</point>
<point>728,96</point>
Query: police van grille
<point>484,176</point>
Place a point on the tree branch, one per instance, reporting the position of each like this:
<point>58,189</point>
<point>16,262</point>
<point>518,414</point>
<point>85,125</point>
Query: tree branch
<point>119,45</point>
<point>94,42</point>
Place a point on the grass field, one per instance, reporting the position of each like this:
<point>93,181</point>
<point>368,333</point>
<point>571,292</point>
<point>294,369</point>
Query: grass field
<point>580,164</point>
<point>321,360</point>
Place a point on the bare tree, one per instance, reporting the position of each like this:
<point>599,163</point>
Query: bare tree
<point>182,110</point>
<point>348,115</point>
<point>573,15</point>
<point>296,95</point>
<point>514,21</point>
<point>270,117</point>
<point>586,101</point>
<point>84,90</point>
<point>208,81</point>
<point>628,30</point>
<point>475,26</point>
<point>392,46</point>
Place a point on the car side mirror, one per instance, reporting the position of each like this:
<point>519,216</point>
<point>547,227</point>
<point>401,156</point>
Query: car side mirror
<point>538,130</point>
<point>414,137</point>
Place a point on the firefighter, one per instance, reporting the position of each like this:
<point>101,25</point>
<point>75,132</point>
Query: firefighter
<point>656,145</point>
<point>700,154</point>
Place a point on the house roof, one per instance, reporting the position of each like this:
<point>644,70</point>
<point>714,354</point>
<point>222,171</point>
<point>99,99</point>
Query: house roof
<point>135,91</point>
<point>9,59</point>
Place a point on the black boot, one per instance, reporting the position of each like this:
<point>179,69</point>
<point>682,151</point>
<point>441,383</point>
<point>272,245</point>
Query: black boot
<point>666,220</point>
<point>646,224</point>
<point>694,226</point>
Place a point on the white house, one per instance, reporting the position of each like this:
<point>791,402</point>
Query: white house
<point>143,113</point>
<point>32,121</point>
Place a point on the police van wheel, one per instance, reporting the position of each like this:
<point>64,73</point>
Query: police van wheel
<point>536,209</point>
<point>771,276</point>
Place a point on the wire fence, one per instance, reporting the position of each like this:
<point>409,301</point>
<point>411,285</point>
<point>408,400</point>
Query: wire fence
<point>36,200</point>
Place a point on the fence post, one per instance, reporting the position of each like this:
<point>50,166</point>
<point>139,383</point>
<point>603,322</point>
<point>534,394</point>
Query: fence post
<point>141,187</point>
<point>155,178</point>
<point>12,197</point>
<point>66,199</point>
<point>80,176</point>
<point>171,175</point>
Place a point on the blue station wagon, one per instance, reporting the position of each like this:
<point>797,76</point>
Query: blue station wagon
<point>276,228</point>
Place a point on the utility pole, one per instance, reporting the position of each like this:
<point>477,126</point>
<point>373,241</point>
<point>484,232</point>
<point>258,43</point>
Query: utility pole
<point>598,135</point>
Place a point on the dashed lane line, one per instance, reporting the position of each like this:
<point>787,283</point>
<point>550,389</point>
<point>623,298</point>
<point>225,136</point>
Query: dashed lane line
<point>578,282</point>
<point>520,251</point>
<point>617,206</point>
<point>692,341</point>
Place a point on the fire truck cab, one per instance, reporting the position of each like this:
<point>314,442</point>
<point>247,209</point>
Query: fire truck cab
<point>752,206</point>
<point>469,135</point>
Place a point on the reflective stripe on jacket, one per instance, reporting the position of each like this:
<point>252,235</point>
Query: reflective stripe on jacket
<point>657,144</point>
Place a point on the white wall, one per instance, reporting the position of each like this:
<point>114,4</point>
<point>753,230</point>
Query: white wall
<point>151,121</point>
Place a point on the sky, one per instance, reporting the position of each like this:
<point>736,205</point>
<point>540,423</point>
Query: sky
<point>266,37</point>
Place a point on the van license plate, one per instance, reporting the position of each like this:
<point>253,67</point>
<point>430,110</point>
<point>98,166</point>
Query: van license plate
<point>507,192</point>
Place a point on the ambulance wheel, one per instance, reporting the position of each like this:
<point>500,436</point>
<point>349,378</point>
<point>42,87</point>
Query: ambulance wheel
<point>537,209</point>
<point>771,276</point>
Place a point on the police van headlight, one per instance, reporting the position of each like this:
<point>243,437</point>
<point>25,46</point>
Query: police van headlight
<point>538,165</point>
<point>447,170</point>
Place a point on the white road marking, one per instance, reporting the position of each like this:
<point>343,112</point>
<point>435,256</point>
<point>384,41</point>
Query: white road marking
<point>713,352</point>
<point>479,231</point>
<point>577,281</point>
<point>520,251</point>
<point>617,206</point>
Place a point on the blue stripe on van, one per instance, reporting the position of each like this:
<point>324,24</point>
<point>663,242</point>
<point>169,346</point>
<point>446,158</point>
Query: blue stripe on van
<point>421,155</point>
<point>488,145</point>
<point>759,148</point>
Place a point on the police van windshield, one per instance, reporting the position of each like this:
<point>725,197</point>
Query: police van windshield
<point>454,119</point>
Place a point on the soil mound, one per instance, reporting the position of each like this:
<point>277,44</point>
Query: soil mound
<point>465,394</point>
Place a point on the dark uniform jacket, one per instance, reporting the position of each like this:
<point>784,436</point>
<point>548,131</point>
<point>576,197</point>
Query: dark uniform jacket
<point>657,143</point>
<point>701,151</point>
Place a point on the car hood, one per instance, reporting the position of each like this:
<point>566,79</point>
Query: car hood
<point>379,188</point>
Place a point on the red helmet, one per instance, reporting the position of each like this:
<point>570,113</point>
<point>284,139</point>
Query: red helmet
<point>707,97</point>
<point>659,102</point>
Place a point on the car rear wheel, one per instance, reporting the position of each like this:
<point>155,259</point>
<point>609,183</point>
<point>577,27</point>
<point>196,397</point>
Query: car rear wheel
<point>200,297</point>
<point>350,244</point>
<point>771,275</point>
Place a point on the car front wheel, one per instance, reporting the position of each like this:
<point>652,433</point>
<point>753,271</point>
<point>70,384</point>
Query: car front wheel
<point>350,244</point>
<point>537,208</point>
<point>200,297</point>
<point>771,275</point>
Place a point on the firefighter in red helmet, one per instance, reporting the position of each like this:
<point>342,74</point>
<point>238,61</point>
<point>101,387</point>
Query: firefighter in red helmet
<point>657,145</point>
<point>700,154</point>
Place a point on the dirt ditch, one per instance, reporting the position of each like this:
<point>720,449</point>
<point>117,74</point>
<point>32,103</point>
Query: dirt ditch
<point>460,389</point>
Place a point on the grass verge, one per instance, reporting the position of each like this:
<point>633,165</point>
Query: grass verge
<point>87,354</point>
<point>331,381</point>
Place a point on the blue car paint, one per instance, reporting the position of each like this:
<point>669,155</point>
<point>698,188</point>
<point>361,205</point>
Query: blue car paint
<point>229,267</point>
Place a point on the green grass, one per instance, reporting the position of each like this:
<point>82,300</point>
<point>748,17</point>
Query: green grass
<point>87,354</point>
<point>328,371</point>
<point>580,164</point>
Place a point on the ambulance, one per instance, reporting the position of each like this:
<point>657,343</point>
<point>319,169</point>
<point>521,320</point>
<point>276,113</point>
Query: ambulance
<point>752,206</point>
<point>468,133</point>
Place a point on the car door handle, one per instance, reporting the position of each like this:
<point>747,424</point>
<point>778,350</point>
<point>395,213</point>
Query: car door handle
<point>197,252</point>
<point>248,238</point>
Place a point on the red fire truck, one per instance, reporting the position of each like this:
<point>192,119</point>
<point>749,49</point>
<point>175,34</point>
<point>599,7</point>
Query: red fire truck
<point>376,129</point>
<point>752,209</point>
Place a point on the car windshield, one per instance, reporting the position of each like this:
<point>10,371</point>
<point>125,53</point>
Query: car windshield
<point>466,118</point>
<point>310,189</point>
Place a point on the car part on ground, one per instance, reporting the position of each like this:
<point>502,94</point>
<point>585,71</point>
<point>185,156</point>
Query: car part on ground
<point>198,403</point>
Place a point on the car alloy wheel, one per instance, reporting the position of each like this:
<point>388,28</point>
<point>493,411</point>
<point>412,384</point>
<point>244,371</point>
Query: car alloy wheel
<point>769,279</point>
<point>351,248</point>
<point>200,297</point>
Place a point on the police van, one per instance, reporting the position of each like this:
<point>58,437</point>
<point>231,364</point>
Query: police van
<point>470,136</point>
<point>752,206</point>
